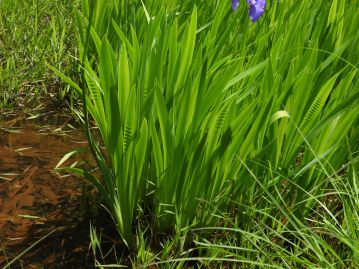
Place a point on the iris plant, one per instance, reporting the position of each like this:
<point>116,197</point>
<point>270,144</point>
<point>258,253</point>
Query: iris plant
<point>256,8</point>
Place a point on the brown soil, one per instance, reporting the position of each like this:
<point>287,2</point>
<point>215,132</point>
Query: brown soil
<point>35,201</point>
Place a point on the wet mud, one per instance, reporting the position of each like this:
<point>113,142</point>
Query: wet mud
<point>35,200</point>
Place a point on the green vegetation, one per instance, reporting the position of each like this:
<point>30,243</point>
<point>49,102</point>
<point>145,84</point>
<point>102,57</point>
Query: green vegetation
<point>33,33</point>
<point>224,144</point>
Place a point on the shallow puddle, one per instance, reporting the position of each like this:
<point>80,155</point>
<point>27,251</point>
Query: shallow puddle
<point>34,200</point>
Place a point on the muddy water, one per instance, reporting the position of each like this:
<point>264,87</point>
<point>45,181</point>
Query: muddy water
<point>34,200</point>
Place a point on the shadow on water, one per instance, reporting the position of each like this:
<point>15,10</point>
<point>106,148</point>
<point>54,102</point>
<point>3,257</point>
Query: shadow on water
<point>34,200</point>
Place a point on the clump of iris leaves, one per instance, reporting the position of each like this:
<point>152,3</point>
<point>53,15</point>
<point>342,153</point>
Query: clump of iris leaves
<point>226,143</point>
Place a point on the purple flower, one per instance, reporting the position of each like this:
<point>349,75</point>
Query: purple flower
<point>235,4</point>
<point>256,9</point>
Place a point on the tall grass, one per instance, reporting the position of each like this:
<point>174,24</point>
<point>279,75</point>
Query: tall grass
<point>198,108</point>
<point>327,238</point>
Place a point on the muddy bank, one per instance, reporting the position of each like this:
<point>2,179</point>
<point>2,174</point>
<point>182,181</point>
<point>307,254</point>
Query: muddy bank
<point>34,200</point>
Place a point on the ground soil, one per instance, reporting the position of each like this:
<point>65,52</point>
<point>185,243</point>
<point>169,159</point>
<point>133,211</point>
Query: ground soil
<point>36,201</point>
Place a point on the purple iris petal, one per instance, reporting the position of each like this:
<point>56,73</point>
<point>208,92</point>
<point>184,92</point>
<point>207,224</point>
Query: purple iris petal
<point>256,9</point>
<point>235,4</point>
